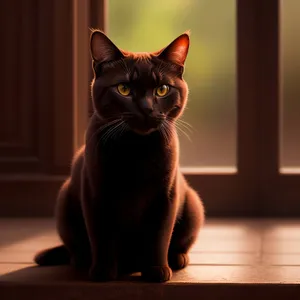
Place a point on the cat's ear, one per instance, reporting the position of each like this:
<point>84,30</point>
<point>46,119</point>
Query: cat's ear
<point>177,51</point>
<point>102,48</point>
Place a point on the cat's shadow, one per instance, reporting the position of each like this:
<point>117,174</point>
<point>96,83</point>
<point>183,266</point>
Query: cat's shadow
<point>57,274</point>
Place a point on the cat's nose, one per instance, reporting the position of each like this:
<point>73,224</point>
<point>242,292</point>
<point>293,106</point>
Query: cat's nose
<point>146,106</point>
<point>148,110</point>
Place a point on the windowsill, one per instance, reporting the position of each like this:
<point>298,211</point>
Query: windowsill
<point>208,170</point>
<point>236,259</point>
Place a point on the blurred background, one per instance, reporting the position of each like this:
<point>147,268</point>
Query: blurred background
<point>210,67</point>
<point>211,70</point>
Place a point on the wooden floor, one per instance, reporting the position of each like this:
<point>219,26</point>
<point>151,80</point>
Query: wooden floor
<point>232,259</point>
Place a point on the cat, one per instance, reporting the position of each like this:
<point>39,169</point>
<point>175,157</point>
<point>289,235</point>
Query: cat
<point>126,207</point>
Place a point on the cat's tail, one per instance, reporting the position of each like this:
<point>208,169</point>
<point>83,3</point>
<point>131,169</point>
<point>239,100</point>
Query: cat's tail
<point>52,257</point>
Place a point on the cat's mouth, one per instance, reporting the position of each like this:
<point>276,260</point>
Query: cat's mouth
<point>144,127</point>
<point>143,132</point>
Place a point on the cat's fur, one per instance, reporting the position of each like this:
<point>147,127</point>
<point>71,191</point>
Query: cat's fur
<point>126,206</point>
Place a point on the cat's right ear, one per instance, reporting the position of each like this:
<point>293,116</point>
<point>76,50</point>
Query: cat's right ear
<point>102,48</point>
<point>177,51</point>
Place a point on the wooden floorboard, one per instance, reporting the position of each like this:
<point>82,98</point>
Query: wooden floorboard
<point>239,258</point>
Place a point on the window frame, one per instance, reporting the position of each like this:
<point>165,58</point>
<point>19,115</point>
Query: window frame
<point>257,188</point>
<point>279,192</point>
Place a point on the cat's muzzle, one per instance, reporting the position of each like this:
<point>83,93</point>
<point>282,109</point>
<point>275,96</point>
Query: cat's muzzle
<point>146,125</point>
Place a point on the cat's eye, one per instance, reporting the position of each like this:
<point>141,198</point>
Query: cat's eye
<point>123,89</point>
<point>162,90</point>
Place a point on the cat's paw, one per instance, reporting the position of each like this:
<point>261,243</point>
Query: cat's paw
<point>157,274</point>
<point>103,274</point>
<point>178,261</point>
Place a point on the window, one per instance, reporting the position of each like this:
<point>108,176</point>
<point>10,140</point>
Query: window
<point>210,68</point>
<point>290,90</point>
<point>244,159</point>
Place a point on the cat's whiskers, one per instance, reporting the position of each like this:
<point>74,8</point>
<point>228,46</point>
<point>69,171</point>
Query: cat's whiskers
<point>123,129</point>
<point>101,128</point>
<point>106,135</point>
<point>162,130</point>
<point>167,130</point>
<point>171,128</point>
<point>182,131</point>
<point>111,131</point>
<point>118,130</point>
<point>185,125</point>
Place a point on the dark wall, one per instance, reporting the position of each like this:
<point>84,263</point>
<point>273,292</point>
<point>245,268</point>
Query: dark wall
<point>37,101</point>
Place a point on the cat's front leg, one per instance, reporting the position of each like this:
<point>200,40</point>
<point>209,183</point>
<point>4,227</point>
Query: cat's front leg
<point>102,237</point>
<point>104,263</point>
<point>158,236</point>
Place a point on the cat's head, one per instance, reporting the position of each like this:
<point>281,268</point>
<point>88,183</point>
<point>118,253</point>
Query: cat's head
<point>143,89</point>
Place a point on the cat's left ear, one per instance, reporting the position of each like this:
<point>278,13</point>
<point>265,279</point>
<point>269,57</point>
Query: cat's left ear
<point>177,51</point>
<point>102,48</point>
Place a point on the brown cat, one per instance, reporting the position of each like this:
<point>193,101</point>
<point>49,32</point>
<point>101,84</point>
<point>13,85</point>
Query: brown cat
<point>126,206</point>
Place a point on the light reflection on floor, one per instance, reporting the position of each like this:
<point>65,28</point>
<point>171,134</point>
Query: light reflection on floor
<point>226,250</point>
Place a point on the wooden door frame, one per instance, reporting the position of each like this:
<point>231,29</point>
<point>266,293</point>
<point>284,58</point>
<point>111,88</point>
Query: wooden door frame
<point>52,74</point>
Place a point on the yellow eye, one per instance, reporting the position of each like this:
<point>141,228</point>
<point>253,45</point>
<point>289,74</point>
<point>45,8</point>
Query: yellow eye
<point>123,89</point>
<point>162,90</point>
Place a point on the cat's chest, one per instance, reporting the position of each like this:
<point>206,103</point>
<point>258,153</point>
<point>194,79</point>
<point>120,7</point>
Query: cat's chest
<point>136,162</point>
<point>133,175</point>
<point>132,169</point>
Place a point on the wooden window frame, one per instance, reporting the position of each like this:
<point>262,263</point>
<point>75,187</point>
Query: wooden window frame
<point>257,188</point>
